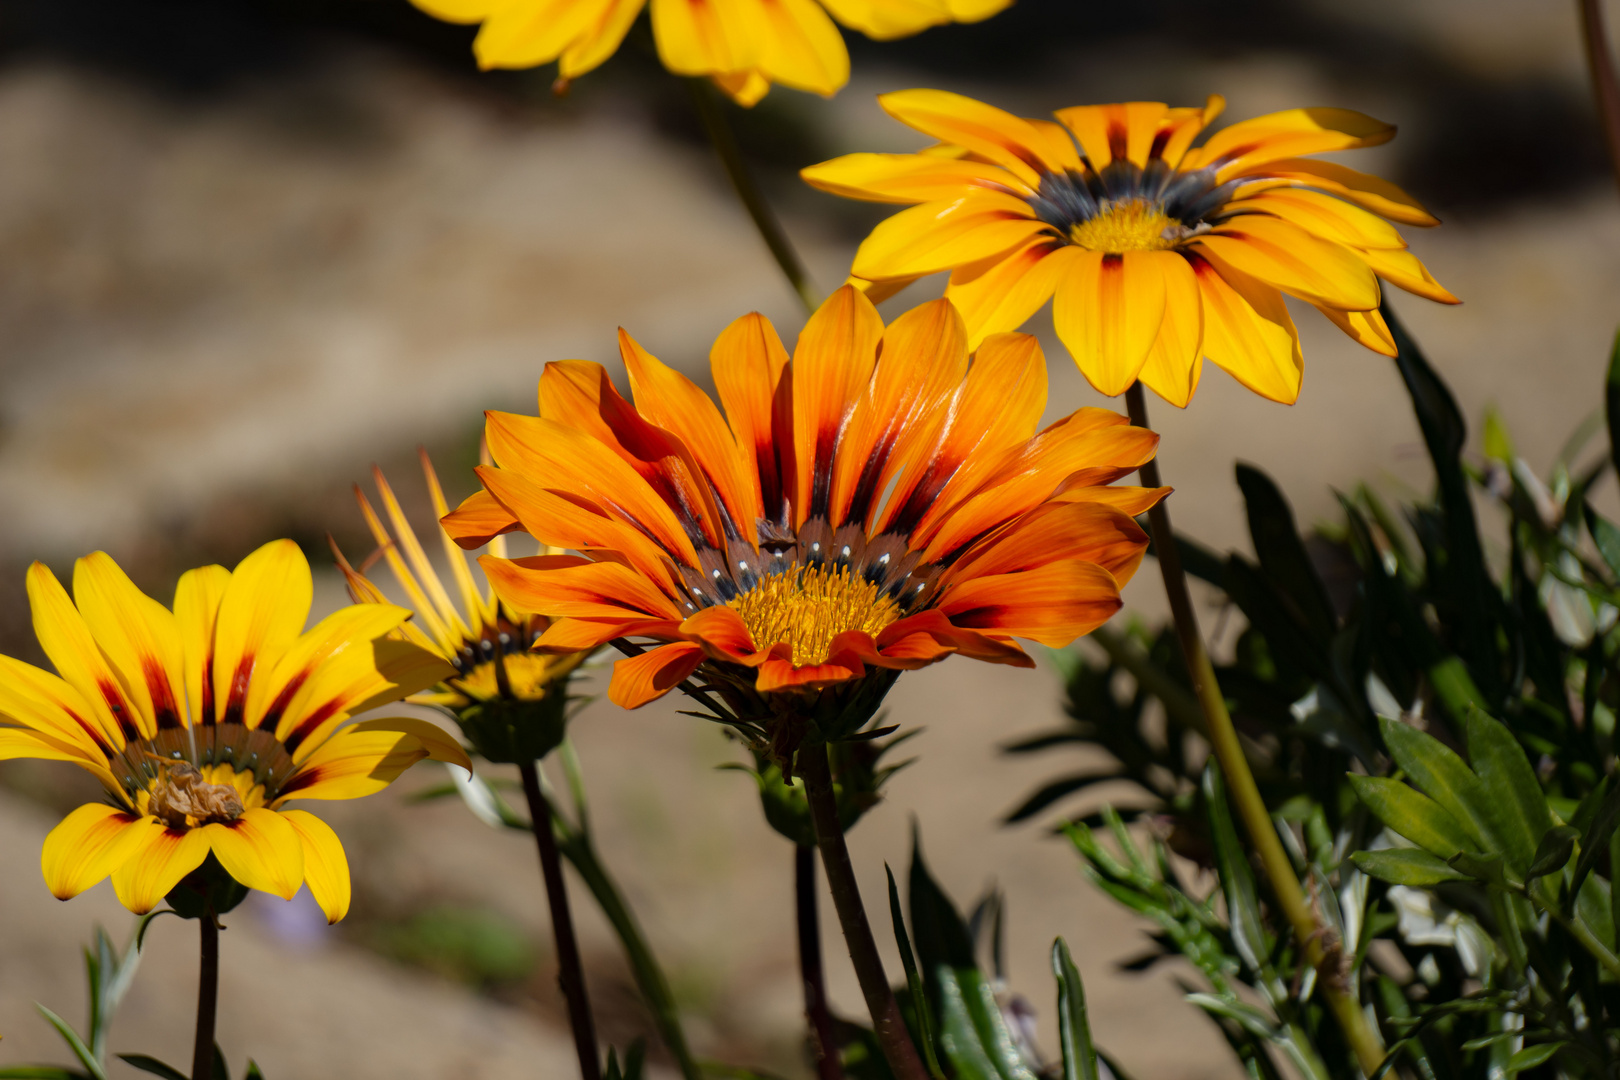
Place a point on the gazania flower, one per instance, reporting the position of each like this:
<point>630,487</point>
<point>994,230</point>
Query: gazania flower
<point>1156,253</point>
<point>203,722</point>
<point>877,503</point>
<point>486,641</point>
<point>743,45</point>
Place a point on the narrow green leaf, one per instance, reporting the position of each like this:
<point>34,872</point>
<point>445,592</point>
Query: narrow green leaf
<point>1553,852</point>
<point>91,1063</point>
<point>253,1072</point>
<point>1606,537</point>
<point>222,1071</point>
<point>919,994</point>
<point>1487,868</point>
<point>1074,1030</point>
<point>1405,866</point>
<point>1593,907</point>
<point>152,1065</point>
<point>1237,879</point>
<point>1441,775</point>
<point>1518,806</point>
<point>1282,553</point>
<point>1595,840</point>
<point>1412,814</point>
<point>1531,1056</point>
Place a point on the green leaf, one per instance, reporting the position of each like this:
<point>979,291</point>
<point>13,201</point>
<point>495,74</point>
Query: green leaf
<point>222,1071</point>
<point>973,1032</point>
<point>1531,1056</point>
<point>1498,444</point>
<point>91,1063</point>
<point>1605,536</point>
<point>1441,775</point>
<point>1237,879</point>
<point>152,1065</point>
<point>1412,814</point>
<point>1599,827</point>
<point>1553,852</point>
<point>1514,797</point>
<point>1405,866</point>
<point>1487,868</point>
<point>919,994</point>
<point>253,1072</point>
<point>1074,1031</point>
<point>1611,401</point>
<point>1282,553</point>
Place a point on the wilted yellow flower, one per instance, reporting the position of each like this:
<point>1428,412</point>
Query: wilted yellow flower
<point>1155,253</point>
<point>203,722</point>
<point>743,45</point>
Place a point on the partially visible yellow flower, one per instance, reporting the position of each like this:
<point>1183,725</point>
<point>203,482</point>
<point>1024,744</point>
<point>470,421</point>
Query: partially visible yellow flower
<point>1155,253</point>
<point>743,45</point>
<point>203,722</point>
<point>498,683</point>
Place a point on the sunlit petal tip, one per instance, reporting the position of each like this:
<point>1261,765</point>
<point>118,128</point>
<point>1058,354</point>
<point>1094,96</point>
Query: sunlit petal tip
<point>87,846</point>
<point>326,869</point>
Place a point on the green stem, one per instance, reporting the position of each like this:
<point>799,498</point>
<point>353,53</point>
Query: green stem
<point>576,846</point>
<point>570,971</point>
<point>711,111</point>
<point>202,1054</point>
<point>887,1024</point>
<point>816,1013</point>
<point>1605,85</point>
<point>1240,785</point>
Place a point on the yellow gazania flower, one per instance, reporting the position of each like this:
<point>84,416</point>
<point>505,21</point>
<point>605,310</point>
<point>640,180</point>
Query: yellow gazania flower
<point>875,503</point>
<point>205,721</point>
<point>743,45</point>
<point>488,646</point>
<point>1155,253</point>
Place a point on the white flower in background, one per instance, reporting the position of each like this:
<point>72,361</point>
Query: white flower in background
<point>1426,921</point>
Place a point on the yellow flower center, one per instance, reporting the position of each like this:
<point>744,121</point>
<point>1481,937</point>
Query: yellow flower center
<point>184,796</point>
<point>806,607</point>
<point>1132,225</point>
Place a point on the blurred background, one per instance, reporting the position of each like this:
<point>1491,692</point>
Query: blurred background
<point>250,247</point>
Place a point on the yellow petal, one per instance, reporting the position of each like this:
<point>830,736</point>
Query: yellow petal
<point>196,610</point>
<point>156,862</point>
<point>439,744</point>
<point>1324,216</point>
<point>353,764</point>
<point>533,32</point>
<point>45,703</point>
<point>66,640</point>
<point>1248,332</point>
<point>1403,270</point>
<point>333,654</point>
<point>259,850</point>
<point>885,20</point>
<point>1173,364</point>
<point>972,11</point>
<point>902,178</point>
<point>1287,134</point>
<point>86,846</point>
<point>262,612</point>
<point>802,48</point>
<point>326,870</point>
<point>942,236</point>
<point>1366,191</point>
<point>1287,257</point>
<point>1108,310</point>
<point>1001,293</point>
<point>1364,327</point>
<point>1013,143</point>
<point>461,11</point>
<point>138,635</point>
<point>600,40</point>
<point>703,37</point>
<point>746,88</point>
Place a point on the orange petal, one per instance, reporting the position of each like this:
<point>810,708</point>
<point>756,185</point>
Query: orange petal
<point>479,519</point>
<point>832,365</point>
<point>640,679</point>
<point>575,635</point>
<point>602,590</point>
<point>1092,531</point>
<point>1124,132</point>
<point>1009,141</point>
<point>778,674</point>
<point>722,631</point>
<point>1052,604</point>
<point>1134,501</point>
<point>747,363</point>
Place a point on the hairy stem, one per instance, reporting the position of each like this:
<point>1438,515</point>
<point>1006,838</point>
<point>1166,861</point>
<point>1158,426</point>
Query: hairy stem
<point>1605,84</point>
<point>711,110</point>
<point>570,974</point>
<point>828,1065</point>
<point>1241,789</point>
<point>887,1023</point>
<point>202,1054</point>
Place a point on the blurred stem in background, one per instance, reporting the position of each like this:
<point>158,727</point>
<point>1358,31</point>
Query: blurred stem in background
<point>570,972</point>
<point>1244,794</point>
<point>828,1066</point>
<point>711,110</point>
<point>887,1023</point>
<point>1605,85</point>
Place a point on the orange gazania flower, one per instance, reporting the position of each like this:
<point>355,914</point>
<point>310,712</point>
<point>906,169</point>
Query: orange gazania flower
<point>877,503</point>
<point>1155,252</point>
<point>744,46</point>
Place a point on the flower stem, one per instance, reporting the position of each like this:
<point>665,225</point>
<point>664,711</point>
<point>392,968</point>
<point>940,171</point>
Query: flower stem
<point>711,111</point>
<point>1605,84</point>
<point>887,1023</point>
<point>570,974</point>
<point>1241,789</point>
<point>828,1065</point>
<point>202,1054</point>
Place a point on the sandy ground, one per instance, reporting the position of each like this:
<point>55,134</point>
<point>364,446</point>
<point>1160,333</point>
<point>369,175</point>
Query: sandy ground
<point>411,256</point>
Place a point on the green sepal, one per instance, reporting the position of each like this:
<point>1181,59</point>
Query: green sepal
<point>207,890</point>
<point>510,732</point>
